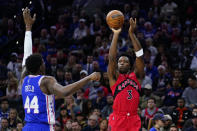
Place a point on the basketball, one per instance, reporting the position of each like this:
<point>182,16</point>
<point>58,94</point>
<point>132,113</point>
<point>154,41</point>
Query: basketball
<point>115,19</point>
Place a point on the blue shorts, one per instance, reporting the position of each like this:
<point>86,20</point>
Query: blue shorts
<point>38,127</point>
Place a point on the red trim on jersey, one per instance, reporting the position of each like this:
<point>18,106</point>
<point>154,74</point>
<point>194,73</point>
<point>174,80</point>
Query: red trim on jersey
<point>147,115</point>
<point>48,109</point>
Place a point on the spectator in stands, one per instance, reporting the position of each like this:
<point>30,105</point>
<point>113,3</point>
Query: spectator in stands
<point>12,65</point>
<point>81,119</point>
<point>107,110</point>
<point>81,31</point>
<point>150,70</point>
<point>194,123</point>
<point>103,125</point>
<point>161,81</point>
<point>64,116</point>
<point>100,101</point>
<point>169,8</point>
<point>190,92</point>
<point>159,120</point>
<point>181,113</point>
<point>149,112</point>
<point>68,78</point>
<point>189,123</point>
<point>88,66</point>
<point>172,95</point>
<point>4,110</point>
<point>4,125</point>
<point>91,92</point>
<point>76,126</point>
<point>71,106</point>
<point>13,118</point>
<point>12,91</point>
<point>87,107</point>
<point>149,94</point>
<point>44,36</point>
<point>60,76</point>
<point>92,124</point>
<point>68,126</point>
<point>152,48</point>
<point>71,62</point>
<point>52,69</point>
<point>19,126</point>
<point>173,128</point>
<point>168,122</point>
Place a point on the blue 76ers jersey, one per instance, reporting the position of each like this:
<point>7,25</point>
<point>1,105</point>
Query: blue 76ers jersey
<point>39,107</point>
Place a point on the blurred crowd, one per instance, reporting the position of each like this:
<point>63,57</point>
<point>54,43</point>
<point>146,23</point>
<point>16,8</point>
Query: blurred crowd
<point>74,40</point>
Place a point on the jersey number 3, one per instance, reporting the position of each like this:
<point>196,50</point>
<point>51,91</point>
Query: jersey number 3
<point>130,94</point>
<point>33,104</point>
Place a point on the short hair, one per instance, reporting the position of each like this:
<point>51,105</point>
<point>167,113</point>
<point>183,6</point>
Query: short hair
<point>3,100</point>
<point>193,77</point>
<point>152,98</point>
<point>181,99</point>
<point>131,59</point>
<point>33,63</point>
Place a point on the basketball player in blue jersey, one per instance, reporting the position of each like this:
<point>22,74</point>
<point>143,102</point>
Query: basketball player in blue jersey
<point>38,90</point>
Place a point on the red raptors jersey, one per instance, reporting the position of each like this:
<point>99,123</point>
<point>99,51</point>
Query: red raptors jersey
<point>126,93</point>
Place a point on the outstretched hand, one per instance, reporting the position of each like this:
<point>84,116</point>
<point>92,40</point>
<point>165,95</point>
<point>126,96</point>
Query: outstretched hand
<point>96,76</point>
<point>29,21</point>
<point>116,31</point>
<point>132,25</point>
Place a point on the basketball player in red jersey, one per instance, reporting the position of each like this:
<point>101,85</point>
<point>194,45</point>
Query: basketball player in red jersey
<point>124,81</point>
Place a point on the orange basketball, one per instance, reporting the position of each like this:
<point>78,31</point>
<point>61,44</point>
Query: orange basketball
<point>115,19</point>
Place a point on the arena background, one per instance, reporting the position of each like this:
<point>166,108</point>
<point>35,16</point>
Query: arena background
<point>74,40</point>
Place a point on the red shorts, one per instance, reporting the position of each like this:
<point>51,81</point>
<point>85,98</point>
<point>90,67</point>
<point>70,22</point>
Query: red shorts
<point>124,122</point>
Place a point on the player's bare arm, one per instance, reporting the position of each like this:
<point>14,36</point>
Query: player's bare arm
<point>50,86</point>
<point>139,68</point>
<point>112,66</point>
<point>29,21</point>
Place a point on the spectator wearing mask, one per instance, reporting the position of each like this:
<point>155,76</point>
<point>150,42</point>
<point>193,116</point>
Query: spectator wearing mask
<point>190,92</point>
<point>181,113</point>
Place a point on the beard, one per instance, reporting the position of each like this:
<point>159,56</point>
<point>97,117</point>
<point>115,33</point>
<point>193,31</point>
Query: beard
<point>123,71</point>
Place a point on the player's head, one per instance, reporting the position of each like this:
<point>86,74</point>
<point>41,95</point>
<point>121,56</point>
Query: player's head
<point>125,63</point>
<point>35,64</point>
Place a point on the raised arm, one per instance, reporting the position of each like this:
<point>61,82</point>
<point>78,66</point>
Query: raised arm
<point>50,86</point>
<point>112,66</point>
<point>29,21</point>
<point>139,63</point>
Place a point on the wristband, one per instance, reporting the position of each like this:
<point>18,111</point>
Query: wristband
<point>139,53</point>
